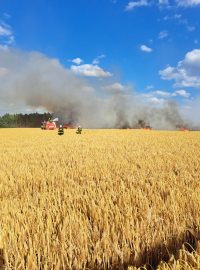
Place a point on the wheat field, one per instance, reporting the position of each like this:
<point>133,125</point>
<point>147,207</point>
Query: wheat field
<point>105,199</point>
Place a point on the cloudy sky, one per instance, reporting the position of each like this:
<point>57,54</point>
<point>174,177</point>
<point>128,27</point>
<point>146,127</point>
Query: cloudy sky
<point>152,45</point>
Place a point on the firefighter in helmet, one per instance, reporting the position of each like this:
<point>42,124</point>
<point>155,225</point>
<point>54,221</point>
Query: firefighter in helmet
<point>60,130</point>
<point>79,130</point>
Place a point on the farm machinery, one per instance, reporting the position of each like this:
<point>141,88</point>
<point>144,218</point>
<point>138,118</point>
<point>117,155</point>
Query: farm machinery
<point>49,125</point>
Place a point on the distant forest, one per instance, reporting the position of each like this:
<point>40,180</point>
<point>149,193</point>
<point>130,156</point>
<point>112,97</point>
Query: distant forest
<point>23,120</point>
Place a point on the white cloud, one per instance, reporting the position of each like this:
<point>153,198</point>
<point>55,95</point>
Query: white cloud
<point>144,48</point>
<point>162,93</point>
<point>173,17</point>
<point>156,100</point>
<point>115,87</point>
<point>97,59</point>
<point>148,87</point>
<point>159,96</point>
<point>77,61</point>
<point>163,2</point>
<point>3,47</point>
<point>168,73</point>
<point>186,74</point>
<point>134,4</point>
<point>182,93</point>
<point>181,21</point>
<point>90,70</point>
<point>5,30</point>
<point>188,3</point>
<point>11,40</point>
<point>6,34</point>
<point>185,22</point>
<point>163,34</point>
<point>192,60</point>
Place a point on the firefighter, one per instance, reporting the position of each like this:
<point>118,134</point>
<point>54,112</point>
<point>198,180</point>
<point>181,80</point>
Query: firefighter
<point>60,130</point>
<point>79,130</point>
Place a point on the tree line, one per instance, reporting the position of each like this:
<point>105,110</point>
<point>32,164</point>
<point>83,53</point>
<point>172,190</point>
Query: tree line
<point>23,120</point>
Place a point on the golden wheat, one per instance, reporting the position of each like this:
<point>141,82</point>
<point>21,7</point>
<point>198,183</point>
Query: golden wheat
<point>104,199</point>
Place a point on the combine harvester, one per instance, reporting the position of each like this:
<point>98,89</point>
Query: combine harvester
<point>49,125</point>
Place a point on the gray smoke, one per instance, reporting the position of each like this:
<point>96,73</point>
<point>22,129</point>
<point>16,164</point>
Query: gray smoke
<point>33,80</point>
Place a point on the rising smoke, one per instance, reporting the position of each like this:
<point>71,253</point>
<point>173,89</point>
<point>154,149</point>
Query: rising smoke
<point>35,81</point>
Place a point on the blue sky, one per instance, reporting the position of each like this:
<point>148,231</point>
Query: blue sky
<point>152,45</point>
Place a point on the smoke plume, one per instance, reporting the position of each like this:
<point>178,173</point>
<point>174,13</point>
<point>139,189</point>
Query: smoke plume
<point>32,80</point>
